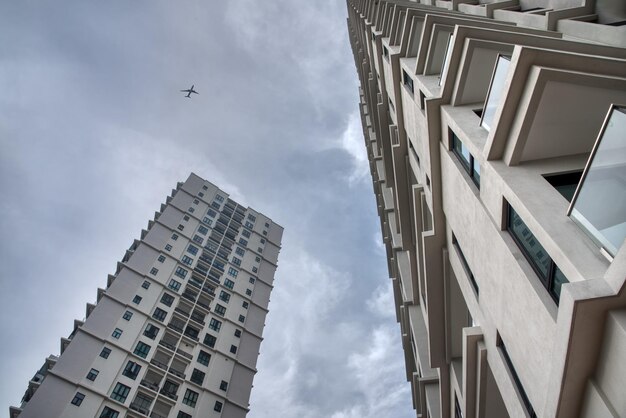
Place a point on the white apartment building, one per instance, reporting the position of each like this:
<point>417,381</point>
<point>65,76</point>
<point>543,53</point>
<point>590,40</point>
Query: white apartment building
<point>176,332</point>
<point>496,134</point>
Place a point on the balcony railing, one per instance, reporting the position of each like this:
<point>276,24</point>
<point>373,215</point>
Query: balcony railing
<point>171,395</point>
<point>151,385</point>
<point>182,312</point>
<point>184,353</point>
<point>139,408</point>
<point>168,345</point>
<point>177,373</point>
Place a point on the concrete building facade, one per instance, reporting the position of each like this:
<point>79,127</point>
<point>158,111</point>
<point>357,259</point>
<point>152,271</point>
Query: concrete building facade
<point>496,135</point>
<point>176,333</point>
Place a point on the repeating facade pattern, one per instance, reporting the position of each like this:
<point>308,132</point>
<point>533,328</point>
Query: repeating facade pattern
<point>177,331</point>
<point>495,132</point>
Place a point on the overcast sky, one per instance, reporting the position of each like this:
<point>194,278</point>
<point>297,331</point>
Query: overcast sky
<point>94,133</point>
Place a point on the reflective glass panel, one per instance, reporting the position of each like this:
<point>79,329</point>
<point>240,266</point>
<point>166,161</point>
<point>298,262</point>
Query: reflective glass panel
<point>496,91</point>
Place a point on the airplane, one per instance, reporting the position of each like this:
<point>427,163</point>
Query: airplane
<point>189,91</point>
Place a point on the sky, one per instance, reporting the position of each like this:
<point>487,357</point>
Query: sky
<point>94,134</point>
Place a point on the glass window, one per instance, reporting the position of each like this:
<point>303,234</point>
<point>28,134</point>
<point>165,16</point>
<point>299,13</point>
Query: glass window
<point>145,284</point>
<point>168,247</point>
<point>131,370</point>
<point>161,258</point>
<point>242,318</point>
<point>218,406</point>
<point>190,398</point>
<point>109,413</point>
<point>197,238</point>
<point>120,392</point>
<point>210,340</point>
<point>252,280</point>
<point>181,272</point>
<point>245,233</point>
<point>214,324</point>
<point>245,304</point>
<point>167,299</point>
<point>219,198</point>
<point>224,296</point>
<point>236,261</point>
<point>182,414</point>
<point>197,376</point>
<point>207,221</point>
<point>154,271</point>
<point>232,272</point>
<point>224,385</point>
<point>233,349</point>
<point>117,333</point>
<point>151,331</point>
<point>174,285</point>
<point>159,314</point>
<point>599,206</point>
<point>243,242</point>
<point>142,349</point>
<point>203,356</point>
<point>248,292</point>
<point>238,333</point>
<point>220,310</point>
<point>78,399</point>
<point>175,236</point>
<point>137,299</point>
<point>105,352</point>
<point>408,81</point>
<point>240,251</point>
<point>466,158</point>
<point>192,249</point>
<point>93,373</point>
<point>187,260</point>
<point>127,315</point>
<point>229,283</point>
<point>203,229</point>
<point>496,91</point>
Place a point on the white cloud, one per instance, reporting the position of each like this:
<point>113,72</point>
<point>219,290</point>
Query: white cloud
<point>381,302</point>
<point>352,141</point>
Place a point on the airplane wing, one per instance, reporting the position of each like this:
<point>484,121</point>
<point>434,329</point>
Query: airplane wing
<point>185,91</point>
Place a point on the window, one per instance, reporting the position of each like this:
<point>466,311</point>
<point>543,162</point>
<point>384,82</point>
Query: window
<point>151,331</point>
<point>408,81</point>
<point>220,310</point>
<point>210,340</point>
<point>467,160</point>
<point>120,392</point>
<point>496,91</point>
<point>264,232</point>
<point>252,280</point>
<point>187,260</point>
<point>142,349</point>
<point>161,258</point>
<point>211,213</point>
<point>78,399</point>
<point>192,332</point>
<point>154,271</point>
<point>175,236</point>
<point>182,414</point>
<point>215,205</point>
<point>127,315</point>
<point>249,225</point>
<point>518,382</point>
<point>219,198</point>
<point>204,357</point>
<point>197,376</point>
<point>238,333</point>
<point>456,245</point>
<point>252,217</point>
<point>105,352</point>
<point>109,413</point>
<point>259,249</point>
<point>203,229</point>
<point>246,234</point>
<point>186,217</point>
<point>196,201</point>
<point>145,284</point>
<point>218,406</point>
<point>262,240</point>
<point>565,183</point>
<point>197,238</point>
<point>229,283</point>
<point>117,333</point>
<point>243,242</point>
<point>205,187</point>
<point>131,370</point>
<point>214,324</point>
<point>242,318</point>
<point>248,292</point>
<point>168,247</point>
<point>200,193</point>
<point>232,272</point>
<point>137,299</point>
<point>167,299</point>
<point>159,314</point>
<point>174,285</point>
<point>255,270</point>
<point>224,296</point>
<point>240,251</point>
<point>257,259</point>
<point>93,373</point>
<point>224,385</point>
<point>192,249</point>
<point>549,274</point>
<point>181,272</point>
<point>236,261</point>
<point>233,349</point>
<point>190,398</point>
<point>245,304</point>
<point>267,224</point>
<point>207,221</point>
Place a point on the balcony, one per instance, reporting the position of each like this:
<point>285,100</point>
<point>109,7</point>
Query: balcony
<point>182,312</point>
<point>171,395</point>
<point>177,373</point>
<point>152,385</point>
<point>599,204</point>
<point>139,408</point>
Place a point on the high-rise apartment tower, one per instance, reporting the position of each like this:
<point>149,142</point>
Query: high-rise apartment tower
<point>496,134</point>
<point>176,332</point>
